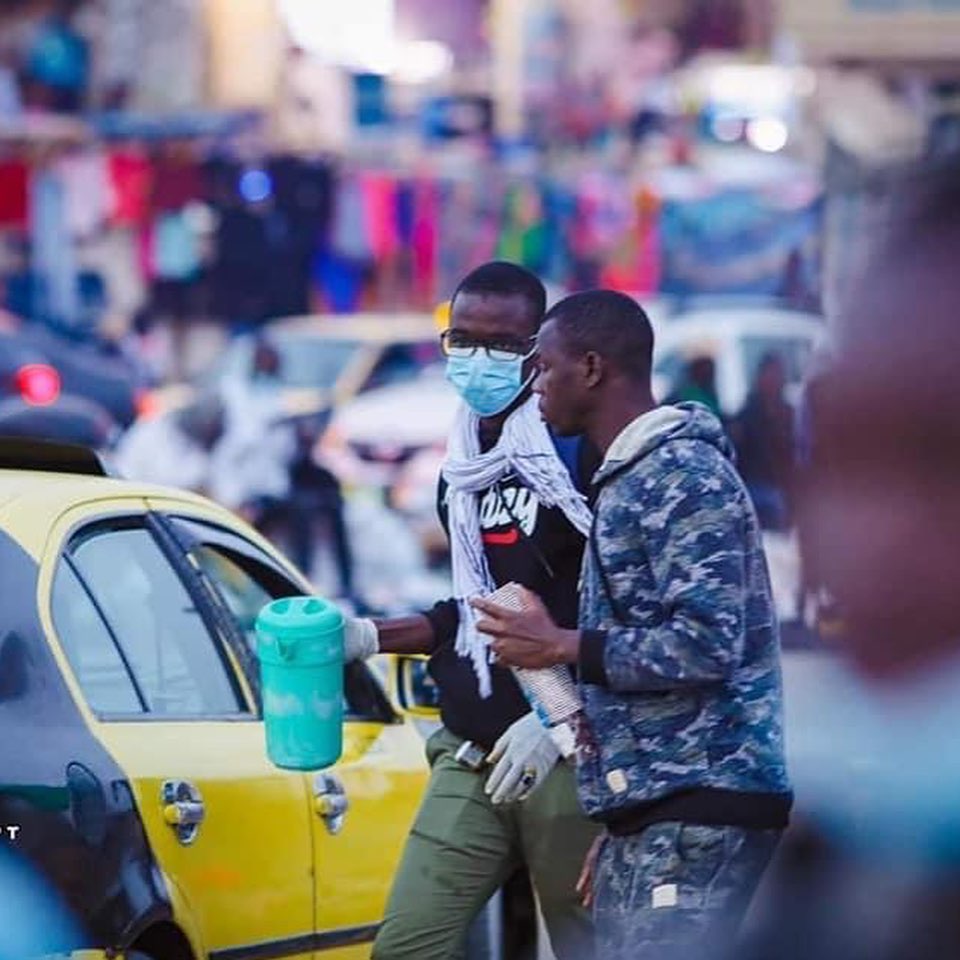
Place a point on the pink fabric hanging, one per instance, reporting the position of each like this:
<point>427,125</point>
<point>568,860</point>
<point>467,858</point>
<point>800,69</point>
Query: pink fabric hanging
<point>650,265</point>
<point>426,219</point>
<point>379,207</point>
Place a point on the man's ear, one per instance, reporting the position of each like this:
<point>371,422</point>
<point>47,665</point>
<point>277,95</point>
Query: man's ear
<point>593,368</point>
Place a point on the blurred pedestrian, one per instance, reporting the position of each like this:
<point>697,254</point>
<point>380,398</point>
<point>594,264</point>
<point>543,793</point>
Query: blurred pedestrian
<point>174,449</point>
<point>252,468</point>
<point>699,385</point>
<point>56,70</point>
<point>680,752</point>
<point>764,437</point>
<point>876,873</point>
<point>316,495</point>
<point>266,471</point>
<point>510,500</point>
<point>36,922</point>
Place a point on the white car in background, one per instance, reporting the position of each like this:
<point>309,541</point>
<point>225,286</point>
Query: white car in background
<point>372,437</point>
<point>736,339</point>
<point>393,439</point>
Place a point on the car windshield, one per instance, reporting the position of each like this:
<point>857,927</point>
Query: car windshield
<point>309,362</point>
<point>314,362</point>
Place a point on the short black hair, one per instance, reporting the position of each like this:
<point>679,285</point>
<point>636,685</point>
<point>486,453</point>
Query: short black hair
<point>505,279</point>
<point>607,323</point>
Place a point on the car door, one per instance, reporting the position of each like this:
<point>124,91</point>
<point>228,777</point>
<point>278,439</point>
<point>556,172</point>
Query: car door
<point>381,773</point>
<point>161,684</point>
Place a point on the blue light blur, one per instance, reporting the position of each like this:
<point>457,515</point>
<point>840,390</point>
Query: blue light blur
<point>255,186</point>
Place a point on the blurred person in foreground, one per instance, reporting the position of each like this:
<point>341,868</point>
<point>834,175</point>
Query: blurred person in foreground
<point>499,798</point>
<point>875,874</point>
<point>36,923</point>
<point>764,437</point>
<point>680,752</point>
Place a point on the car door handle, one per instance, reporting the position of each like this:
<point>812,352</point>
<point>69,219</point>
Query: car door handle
<point>183,809</point>
<point>330,801</point>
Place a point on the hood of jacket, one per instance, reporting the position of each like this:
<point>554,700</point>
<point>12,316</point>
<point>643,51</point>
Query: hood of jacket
<point>665,424</point>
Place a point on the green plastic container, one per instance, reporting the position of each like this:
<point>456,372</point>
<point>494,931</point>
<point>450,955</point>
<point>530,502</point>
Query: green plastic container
<point>300,648</point>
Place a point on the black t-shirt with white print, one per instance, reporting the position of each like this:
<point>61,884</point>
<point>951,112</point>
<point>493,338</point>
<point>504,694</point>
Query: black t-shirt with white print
<point>524,542</point>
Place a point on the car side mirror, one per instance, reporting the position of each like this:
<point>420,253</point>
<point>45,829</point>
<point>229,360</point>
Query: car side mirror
<point>414,690</point>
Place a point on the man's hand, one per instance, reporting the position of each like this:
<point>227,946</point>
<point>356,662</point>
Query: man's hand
<point>527,637</point>
<point>360,640</point>
<point>524,757</point>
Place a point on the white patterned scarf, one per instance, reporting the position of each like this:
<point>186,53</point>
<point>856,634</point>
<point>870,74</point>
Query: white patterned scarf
<point>525,448</point>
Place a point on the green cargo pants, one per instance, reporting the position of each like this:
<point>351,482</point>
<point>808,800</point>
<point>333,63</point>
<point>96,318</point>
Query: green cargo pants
<point>462,848</point>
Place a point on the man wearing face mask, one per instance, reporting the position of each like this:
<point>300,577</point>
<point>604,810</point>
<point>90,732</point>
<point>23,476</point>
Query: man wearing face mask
<point>499,797</point>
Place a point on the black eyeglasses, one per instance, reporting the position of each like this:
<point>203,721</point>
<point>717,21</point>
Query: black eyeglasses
<point>454,343</point>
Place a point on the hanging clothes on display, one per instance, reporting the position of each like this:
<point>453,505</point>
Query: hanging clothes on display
<point>523,236</point>
<point>88,192</point>
<point>380,215</point>
<point>241,275</point>
<point>131,180</point>
<point>54,263</point>
<point>14,193</point>
<point>57,66</point>
<point>342,267</point>
<point>170,71</point>
<point>177,179</point>
<point>114,33</point>
<point>425,244</point>
<point>302,203</point>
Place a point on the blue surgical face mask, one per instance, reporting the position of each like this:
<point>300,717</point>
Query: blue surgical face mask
<point>488,386</point>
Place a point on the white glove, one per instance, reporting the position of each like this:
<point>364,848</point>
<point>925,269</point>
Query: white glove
<point>524,756</point>
<point>360,639</point>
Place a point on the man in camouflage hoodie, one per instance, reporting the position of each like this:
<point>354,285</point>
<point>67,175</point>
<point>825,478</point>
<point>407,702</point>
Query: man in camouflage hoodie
<point>680,752</point>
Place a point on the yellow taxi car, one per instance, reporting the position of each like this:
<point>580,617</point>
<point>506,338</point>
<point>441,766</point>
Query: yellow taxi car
<point>132,757</point>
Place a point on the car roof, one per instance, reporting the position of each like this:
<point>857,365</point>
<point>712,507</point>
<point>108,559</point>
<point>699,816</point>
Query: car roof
<point>32,500</point>
<point>722,324</point>
<point>376,328</point>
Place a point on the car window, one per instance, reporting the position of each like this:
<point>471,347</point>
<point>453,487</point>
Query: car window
<point>314,362</point>
<point>90,648</point>
<point>242,594</point>
<point>175,661</point>
<point>245,584</point>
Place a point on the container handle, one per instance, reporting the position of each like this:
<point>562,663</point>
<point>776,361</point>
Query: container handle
<point>285,649</point>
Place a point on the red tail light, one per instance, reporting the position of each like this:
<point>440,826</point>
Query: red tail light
<point>38,384</point>
<point>146,404</point>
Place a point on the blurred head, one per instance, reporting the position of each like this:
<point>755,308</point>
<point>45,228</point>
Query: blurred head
<point>594,347</point>
<point>495,314</point>
<point>771,377</point>
<point>703,372</point>
<point>884,508</point>
<point>266,360</point>
<point>203,421</point>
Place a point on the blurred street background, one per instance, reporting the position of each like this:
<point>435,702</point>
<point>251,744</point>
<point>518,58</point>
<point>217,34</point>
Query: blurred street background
<point>228,229</point>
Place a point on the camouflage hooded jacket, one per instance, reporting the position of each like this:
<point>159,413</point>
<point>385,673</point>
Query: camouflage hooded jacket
<point>680,658</point>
